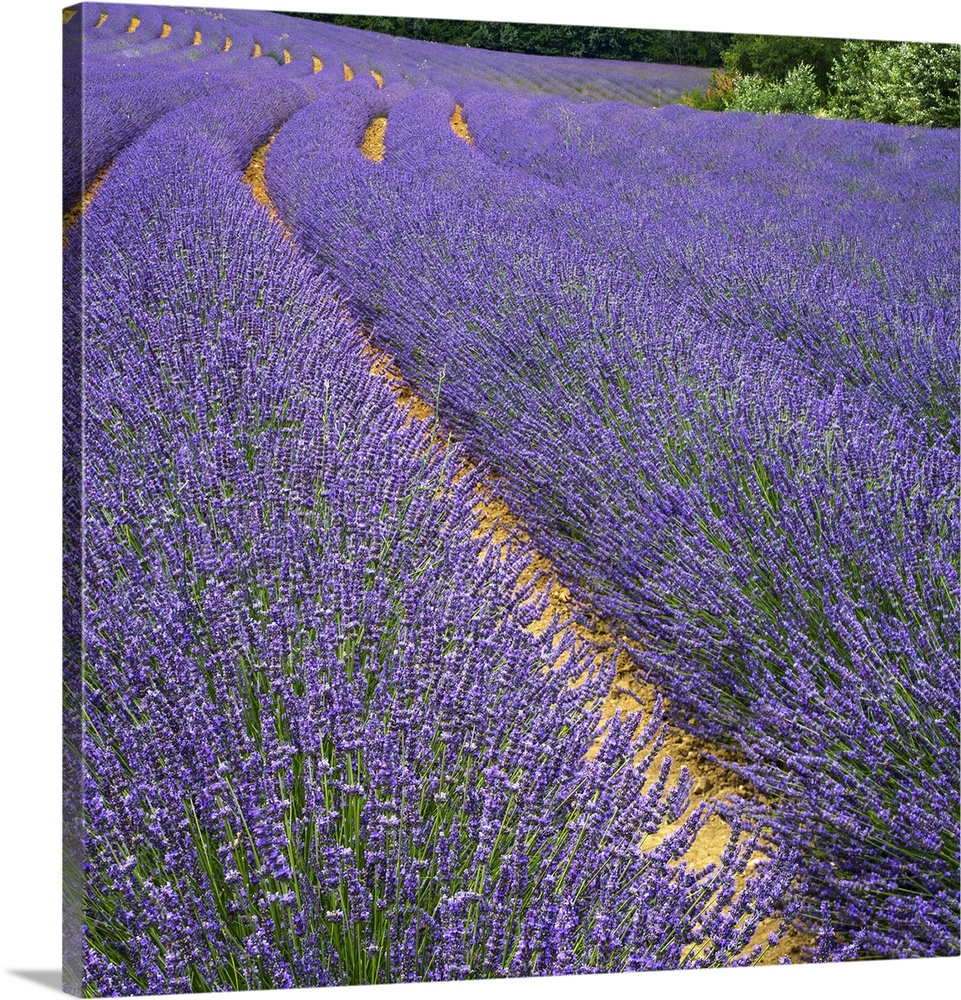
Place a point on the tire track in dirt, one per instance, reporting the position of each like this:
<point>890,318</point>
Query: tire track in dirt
<point>505,535</point>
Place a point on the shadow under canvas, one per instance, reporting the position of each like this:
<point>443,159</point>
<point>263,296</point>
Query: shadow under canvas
<point>50,978</point>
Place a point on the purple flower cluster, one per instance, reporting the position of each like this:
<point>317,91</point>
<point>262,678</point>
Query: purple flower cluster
<point>713,361</point>
<point>313,741</point>
<point>176,55</point>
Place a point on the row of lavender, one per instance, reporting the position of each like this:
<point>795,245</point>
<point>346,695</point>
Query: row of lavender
<point>847,219</point>
<point>716,361</point>
<point>318,744</point>
<point>143,61</point>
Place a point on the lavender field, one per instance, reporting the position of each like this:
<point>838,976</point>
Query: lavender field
<point>511,518</point>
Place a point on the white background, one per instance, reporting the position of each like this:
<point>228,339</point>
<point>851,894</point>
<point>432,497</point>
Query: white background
<point>30,492</point>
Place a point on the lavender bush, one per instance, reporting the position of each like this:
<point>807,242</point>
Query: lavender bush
<point>727,407</point>
<point>713,362</point>
<point>319,744</point>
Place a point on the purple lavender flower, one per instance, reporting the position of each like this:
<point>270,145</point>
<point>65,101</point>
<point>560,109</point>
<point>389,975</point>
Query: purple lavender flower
<point>713,363</point>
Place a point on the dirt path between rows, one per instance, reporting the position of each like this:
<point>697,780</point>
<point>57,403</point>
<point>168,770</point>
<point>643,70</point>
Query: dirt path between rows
<point>71,218</point>
<point>372,145</point>
<point>459,126</point>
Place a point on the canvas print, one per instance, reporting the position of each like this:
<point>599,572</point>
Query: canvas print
<point>511,515</point>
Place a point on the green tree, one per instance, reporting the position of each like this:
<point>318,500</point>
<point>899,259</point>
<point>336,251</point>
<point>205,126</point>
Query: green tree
<point>689,48</point>
<point>774,56</point>
<point>903,83</point>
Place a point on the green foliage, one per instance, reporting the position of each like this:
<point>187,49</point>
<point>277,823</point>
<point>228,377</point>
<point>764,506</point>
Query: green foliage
<point>752,93</point>
<point>717,96</point>
<point>774,56</point>
<point>901,83</point>
<point>906,83</point>
<point>797,94</point>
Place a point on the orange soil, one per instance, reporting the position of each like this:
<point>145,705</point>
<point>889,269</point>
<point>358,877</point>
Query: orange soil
<point>67,14</point>
<point>134,24</point>
<point>103,17</point>
<point>504,532</point>
<point>165,30</point>
<point>71,217</point>
<point>318,65</point>
<point>254,175</point>
<point>198,38</point>
<point>378,78</point>
<point>228,41</point>
<point>257,50</point>
<point>372,145</point>
<point>459,126</point>
<point>383,367</point>
<point>286,57</point>
<point>348,72</point>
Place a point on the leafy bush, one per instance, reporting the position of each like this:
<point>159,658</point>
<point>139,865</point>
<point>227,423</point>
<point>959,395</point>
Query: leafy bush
<point>900,83</point>
<point>716,97</point>
<point>797,94</point>
<point>909,83</point>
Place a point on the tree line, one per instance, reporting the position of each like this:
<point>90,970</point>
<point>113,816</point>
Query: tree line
<point>685,48</point>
